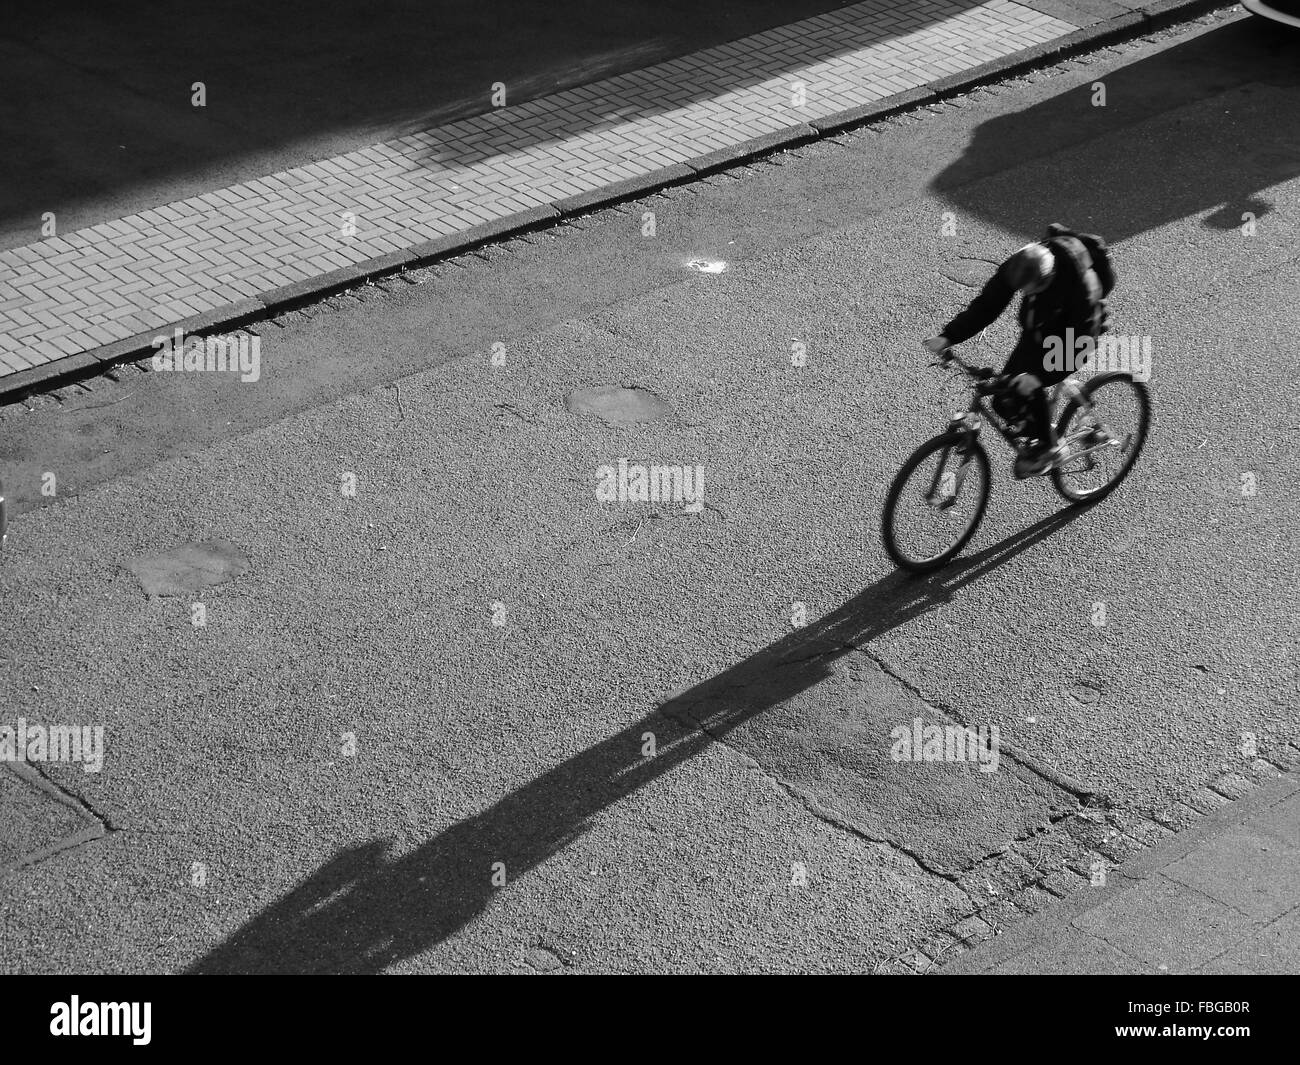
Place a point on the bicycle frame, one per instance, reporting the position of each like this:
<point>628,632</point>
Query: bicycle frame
<point>934,476</point>
<point>969,423</point>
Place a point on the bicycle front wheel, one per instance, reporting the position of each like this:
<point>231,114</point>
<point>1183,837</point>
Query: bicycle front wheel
<point>1102,428</point>
<point>936,502</point>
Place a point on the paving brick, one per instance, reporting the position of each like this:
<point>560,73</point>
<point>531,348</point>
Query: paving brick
<point>1162,922</point>
<point>1273,950</point>
<point>1254,873</point>
<point>13,362</point>
<point>429,186</point>
<point>1281,821</point>
<point>972,929</point>
<point>1206,801</point>
<point>1142,831</point>
<point>1032,899</point>
<point>1068,951</point>
<point>1063,883</point>
<point>1233,785</point>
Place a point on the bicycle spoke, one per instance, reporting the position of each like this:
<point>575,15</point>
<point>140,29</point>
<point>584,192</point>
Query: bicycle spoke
<point>1101,439</point>
<point>946,503</point>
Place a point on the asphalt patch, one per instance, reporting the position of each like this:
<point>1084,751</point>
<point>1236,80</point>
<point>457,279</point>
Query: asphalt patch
<point>616,404</point>
<point>188,568</point>
<point>828,728</point>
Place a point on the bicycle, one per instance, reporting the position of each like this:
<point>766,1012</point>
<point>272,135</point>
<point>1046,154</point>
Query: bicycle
<point>1086,448</point>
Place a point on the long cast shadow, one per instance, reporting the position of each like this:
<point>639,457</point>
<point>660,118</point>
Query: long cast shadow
<point>361,912</point>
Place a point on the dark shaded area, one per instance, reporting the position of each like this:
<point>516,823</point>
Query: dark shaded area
<point>361,911</point>
<point>96,99</point>
<point>1239,79</point>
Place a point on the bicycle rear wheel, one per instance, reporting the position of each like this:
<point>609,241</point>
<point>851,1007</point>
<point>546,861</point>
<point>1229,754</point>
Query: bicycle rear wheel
<point>936,502</point>
<point>1102,427</point>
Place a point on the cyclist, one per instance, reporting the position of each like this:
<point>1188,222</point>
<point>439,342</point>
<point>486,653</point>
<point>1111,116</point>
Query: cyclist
<point>1064,280</point>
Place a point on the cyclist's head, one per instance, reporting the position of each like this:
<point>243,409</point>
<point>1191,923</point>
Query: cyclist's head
<point>1032,268</point>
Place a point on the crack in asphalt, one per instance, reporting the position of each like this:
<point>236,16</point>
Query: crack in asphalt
<point>821,813</point>
<point>97,828</point>
<point>1086,796</point>
<point>68,798</point>
<point>1052,831</point>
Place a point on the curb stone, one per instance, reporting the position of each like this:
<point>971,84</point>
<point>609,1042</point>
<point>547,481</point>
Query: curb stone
<point>1039,900</point>
<point>1130,25</point>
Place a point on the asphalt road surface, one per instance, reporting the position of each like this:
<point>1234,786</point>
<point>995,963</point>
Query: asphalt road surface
<point>503,810</point>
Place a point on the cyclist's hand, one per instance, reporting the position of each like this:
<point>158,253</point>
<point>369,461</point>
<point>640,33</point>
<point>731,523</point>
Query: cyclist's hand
<point>936,345</point>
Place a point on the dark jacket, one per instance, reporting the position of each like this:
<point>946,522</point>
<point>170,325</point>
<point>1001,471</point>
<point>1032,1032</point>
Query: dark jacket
<point>1045,314</point>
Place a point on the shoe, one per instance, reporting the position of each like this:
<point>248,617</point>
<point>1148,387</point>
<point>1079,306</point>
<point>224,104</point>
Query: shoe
<point>1036,460</point>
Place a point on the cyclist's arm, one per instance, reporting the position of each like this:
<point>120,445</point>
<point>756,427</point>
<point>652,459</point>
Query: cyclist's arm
<point>983,310</point>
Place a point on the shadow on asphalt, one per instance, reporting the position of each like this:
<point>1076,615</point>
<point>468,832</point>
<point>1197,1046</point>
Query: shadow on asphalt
<point>1240,78</point>
<point>361,912</point>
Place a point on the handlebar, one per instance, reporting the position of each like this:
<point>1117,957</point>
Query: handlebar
<point>983,373</point>
<point>987,380</point>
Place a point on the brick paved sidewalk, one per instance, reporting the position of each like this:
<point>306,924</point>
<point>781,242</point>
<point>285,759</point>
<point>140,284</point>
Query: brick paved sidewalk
<point>103,292</point>
<point>1222,896</point>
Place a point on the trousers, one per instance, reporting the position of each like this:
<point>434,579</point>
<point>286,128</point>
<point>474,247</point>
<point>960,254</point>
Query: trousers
<point>1027,358</point>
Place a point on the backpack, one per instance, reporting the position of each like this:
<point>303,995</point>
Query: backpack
<point>1087,310</point>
